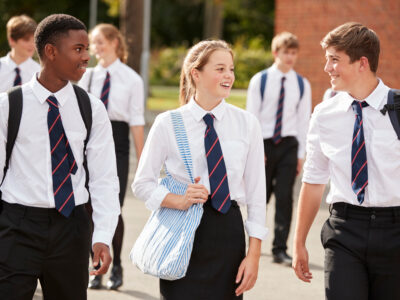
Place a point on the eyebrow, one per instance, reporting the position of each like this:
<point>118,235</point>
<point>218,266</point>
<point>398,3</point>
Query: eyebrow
<point>80,45</point>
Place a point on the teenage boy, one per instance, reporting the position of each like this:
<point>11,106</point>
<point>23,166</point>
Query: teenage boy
<point>281,100</point>
<point>354,145</point>
<point>44,227</point>
<point>18,67</point>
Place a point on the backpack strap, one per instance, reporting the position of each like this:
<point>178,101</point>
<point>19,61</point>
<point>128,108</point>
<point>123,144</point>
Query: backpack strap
<point>300,80</point>
<point>14,119</point>
<point>393,109</point>
<point>90,80</point>
<point>86,113</point>
<point>264,76</point>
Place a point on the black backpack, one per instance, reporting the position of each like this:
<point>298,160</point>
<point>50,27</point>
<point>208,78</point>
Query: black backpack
<point>393,108</point>
<point>14,120</point>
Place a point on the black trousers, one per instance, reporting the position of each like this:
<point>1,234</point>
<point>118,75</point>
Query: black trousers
<point>40,243</point>
<point>280,171</point>
<point>362,253</point>
<point>121,141</point>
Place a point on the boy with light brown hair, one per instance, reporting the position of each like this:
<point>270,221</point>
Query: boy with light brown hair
<point>353,143</point>
<point>18,67</point>
<point>281,100</point>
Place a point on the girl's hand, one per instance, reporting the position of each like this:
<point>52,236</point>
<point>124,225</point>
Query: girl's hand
<point>195,193</point>
<point>247,274</point>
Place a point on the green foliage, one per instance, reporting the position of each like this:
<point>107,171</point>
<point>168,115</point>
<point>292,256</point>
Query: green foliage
<point>165,65</point>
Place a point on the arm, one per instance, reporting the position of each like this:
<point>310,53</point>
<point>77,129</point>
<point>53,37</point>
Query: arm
<point>303,119</point>
<point>253,102</point>
<point>309,202</point>
<point>3,131</point>
<point>138,138</point>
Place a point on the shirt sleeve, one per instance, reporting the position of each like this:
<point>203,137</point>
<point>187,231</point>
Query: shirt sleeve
<point>103,179</point>
<point>146,186</point>
<point>316,167</point>
<point>303,117</point>
<point>253,102</point>
<point>254,179</point>
<point>136,103</point>
<point>3,131</point>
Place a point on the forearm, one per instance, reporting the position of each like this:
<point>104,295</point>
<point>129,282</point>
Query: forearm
<point>309,202</point>
<point>173,201</point>
<point>254,247</point>
<point>138,138</point>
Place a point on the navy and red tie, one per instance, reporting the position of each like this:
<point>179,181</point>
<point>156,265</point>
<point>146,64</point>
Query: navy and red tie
<point>220,196</point>
<point>105,91</point>
<point>359,166</point>
<point>17,79</point>
<point>277,137</point>
<point>333,93</point>
<point>62,160</point>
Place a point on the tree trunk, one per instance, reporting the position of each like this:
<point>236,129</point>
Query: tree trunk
<point>213,19</point>
<point>131,25</point>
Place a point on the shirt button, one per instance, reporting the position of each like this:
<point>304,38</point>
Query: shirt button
<point>373,217</point>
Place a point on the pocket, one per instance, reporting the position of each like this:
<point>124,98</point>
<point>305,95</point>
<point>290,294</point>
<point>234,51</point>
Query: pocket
<point>235,156</point>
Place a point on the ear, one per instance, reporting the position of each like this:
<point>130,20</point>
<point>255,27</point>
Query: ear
<point>364,64</point>
<point>275,53</point>
<point>195,74</point>
<point>11,42</point>
<point>50,51</point>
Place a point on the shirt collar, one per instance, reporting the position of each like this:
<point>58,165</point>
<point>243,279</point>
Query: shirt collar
<point>9,61</point>
<point>42,93</point>
<point>198,112</point>
<point>111,68</point>
<point>374,99</point>
<point>274,68</point>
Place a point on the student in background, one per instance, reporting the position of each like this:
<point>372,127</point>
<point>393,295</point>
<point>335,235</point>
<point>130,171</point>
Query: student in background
<point>122,92</point>
<point>226,148</point>
<point>281,100</point>
<point>18,67</point>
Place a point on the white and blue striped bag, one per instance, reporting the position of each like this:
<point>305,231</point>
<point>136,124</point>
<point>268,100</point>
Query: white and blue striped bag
<point>164,246</point>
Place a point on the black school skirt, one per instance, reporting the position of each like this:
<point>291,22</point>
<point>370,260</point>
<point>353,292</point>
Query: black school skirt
<point>219,248</point>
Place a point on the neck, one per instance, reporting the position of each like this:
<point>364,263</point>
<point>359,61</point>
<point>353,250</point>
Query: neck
<point>17,58</point>
<point>364,87</point>
<point>283,68</point>
<point>206,103</point>
<point>50,81</point>
<point>108,60</point>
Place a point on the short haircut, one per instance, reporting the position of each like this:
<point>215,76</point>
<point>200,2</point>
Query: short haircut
<point>356,40</point>
<point>53,27</point>
<point>284,40</point>
<point>19,27</point>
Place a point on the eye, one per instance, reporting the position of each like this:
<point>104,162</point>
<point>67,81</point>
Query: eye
<point>79,49</point>
<point>220,69</point>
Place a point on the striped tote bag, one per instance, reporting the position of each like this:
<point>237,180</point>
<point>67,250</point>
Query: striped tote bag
<point>164,246</point>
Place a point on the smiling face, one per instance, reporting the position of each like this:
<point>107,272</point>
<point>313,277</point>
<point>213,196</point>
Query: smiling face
<point>343,73</point>
<point>214,81</point>
<point>101,46</point>
<point>69,57</point>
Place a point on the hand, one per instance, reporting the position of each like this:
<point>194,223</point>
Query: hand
<point>195,193</point>
<point>247,274</point>
<point>300,264</point>
<point>299,166</point>
<point>265,159</point>
<point>101,252</point>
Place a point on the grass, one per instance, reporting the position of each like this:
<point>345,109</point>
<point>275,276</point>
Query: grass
<point>166,97</point>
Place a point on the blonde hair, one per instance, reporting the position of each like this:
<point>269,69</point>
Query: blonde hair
<point>111,33</point>
<point>284,40</point>
<point>19,27</point>
<point>196,58</point>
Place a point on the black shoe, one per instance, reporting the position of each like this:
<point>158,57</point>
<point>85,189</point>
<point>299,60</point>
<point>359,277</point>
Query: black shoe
<point>115,280</point>
<point>95,282</point>
<point>281,257</point>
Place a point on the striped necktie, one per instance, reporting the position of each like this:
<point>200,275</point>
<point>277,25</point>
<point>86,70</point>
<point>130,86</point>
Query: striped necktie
<point>62,160</point>
<point>105,91</point>
<point>359,167</point>
<point>220,196</point>
<point>17,79</point>
<point>333,93</point>
<point>278,123</point>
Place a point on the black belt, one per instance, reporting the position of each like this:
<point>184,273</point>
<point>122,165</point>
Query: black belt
<point>346,210</point>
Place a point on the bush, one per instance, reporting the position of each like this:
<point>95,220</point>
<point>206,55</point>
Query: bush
<point>166,64</point>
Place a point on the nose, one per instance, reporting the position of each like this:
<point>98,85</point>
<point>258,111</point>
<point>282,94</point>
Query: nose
<point>328,66</point>
<point>85,55</point>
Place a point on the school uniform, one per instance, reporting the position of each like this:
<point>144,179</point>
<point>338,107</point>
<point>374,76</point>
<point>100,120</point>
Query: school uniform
<point>219,245</point>
<point>329,93</point>
<point>361,237</point>
<point>125,108</point>
<point>9,74</point>
<point>36,240</point>
<point>282,155</point>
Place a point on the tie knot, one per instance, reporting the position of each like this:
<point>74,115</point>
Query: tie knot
<point>283,79</point>
<point>209,119</point>
<point>358,106</point>
<point>17,70</point>
<point>52,101</point>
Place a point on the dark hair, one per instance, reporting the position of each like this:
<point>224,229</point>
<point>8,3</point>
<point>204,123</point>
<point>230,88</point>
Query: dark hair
<point>19,27</point>
<point>356,40</point>
<point>53,27</point>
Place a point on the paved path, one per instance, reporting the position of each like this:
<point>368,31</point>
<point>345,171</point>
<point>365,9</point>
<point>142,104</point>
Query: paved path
<point>275,282</point>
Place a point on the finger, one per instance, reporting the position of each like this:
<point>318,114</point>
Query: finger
<point>197,179</point>
<point>106,261</point>
<point>300,273</point>
<point>243,285</point>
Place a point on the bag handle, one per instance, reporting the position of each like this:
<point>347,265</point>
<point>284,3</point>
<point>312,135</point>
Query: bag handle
<point>182,141</point>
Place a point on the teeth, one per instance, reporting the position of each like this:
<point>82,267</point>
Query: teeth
<point>225,84</point>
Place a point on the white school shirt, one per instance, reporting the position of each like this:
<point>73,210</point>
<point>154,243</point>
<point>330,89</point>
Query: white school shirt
<point>126,98</point>
<point>7,71</point>
<point>296,113</point>
<point>329,144</point>
<point>29,178</point>
<point>242,145</point>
